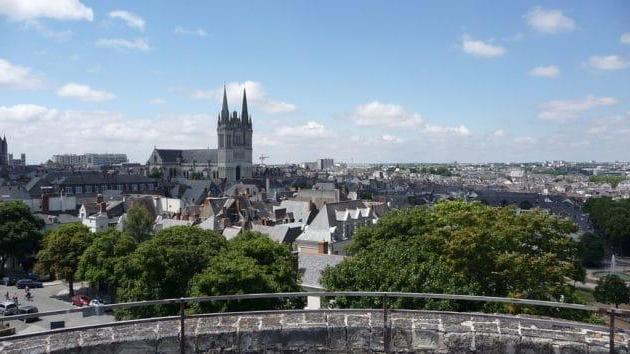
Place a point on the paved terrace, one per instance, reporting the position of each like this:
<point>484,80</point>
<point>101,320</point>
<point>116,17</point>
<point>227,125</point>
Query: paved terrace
<point>328,331</point>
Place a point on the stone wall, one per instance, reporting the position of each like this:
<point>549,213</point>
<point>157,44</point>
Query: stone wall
<point>333,331</point>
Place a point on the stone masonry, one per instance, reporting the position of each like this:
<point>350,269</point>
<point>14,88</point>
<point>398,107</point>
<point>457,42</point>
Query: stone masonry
<point>329,331</point>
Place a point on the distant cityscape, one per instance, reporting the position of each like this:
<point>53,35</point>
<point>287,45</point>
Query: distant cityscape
<point>314,176</point>
<point>201,187</point>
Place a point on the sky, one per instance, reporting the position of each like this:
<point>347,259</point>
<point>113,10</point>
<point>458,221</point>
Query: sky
<point>358,81</point>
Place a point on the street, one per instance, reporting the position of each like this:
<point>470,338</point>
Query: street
<point>49,298</point>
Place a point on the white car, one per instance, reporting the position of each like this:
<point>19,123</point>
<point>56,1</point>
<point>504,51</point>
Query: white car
<point>95,302</point>
<point>8,308</point>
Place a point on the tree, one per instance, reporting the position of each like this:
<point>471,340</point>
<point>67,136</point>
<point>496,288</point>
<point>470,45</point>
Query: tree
<point>464,248</point>
<point>138,223</point>
<point>61,251</point>
<point>611,218</point>
<point>162,266</point>
<point>252,263</point>
<point>104,259</point>
<point>155,173</point>
<point>591,249</point>
<point>611,289</point>
<point>19,231</point>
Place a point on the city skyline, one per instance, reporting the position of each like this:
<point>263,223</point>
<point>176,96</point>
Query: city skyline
<point>355,81</point>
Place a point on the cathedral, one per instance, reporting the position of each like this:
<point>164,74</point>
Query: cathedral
<point>4,153</point>
<point>232,160</point>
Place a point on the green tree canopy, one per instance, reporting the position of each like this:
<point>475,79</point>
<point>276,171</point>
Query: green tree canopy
<point>104,259</point>
<point>61,251</point>
<point>19,231</point>
<point>611,218</point>
<point>162,266</point>
<point>252,263</point>
<point>591,248</point>
<point>464,248</point>
<point>611,289</point>
<point>138,223</point>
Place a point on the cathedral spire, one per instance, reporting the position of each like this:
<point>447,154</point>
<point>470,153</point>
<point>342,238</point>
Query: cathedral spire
<point>244,113</point>
<point>225,112</point>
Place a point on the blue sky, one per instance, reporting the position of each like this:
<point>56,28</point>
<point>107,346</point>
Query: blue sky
<point>362,81</point>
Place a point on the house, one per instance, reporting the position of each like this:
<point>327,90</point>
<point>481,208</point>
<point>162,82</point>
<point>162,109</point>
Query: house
<point>332,228</point>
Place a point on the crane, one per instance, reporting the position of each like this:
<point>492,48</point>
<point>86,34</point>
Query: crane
<point>262,159</point>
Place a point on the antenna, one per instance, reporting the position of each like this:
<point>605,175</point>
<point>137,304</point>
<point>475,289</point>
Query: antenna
<point>262,159</point>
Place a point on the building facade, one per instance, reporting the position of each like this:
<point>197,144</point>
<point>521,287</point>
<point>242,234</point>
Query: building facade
<point>89,159</point>
<point>232,160</point>
<point>4,153</point>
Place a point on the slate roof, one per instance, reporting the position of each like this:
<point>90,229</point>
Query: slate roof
<point>13,193</point>
<point>311,266</point>
<point>171,156</point>
<point>301,210</point>
<point>231,232</point>
<point>283,233</point>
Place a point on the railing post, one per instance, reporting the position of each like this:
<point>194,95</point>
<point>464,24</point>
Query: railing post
<point>182,322</point>
<point>386,334</point>
<point>612,331</point>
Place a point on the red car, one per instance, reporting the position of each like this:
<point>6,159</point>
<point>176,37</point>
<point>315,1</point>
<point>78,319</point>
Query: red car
<point>80,300</point>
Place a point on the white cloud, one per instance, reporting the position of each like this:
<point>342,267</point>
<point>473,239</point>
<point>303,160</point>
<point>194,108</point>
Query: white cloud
<point>120,43</point>
<point>285,137</point>
<point>132,20</point>
<point>157,100</point>
<point>59,36</point>
<point>605,127</point>
<point>310,129</point>
<point>499,133</point>
<point>563,110</point>
<point>17,76</point>
<point>625,38</point>
<point>525,140</point>
<point>256,97</point>
<point>545,71</point>
<point>480,48</point>
<point>548,21</point>
<point>101,131</point>
<point>609,62</point>
<point>190,32</point>
<point>391,139</point>
<point>376,113</point>
<point>22,10</point>
<point>385,115</point>
<point>438,130</point>
<point>25,113</point>
<point>83,93</point>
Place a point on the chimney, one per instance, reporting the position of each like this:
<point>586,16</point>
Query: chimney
<point>322,247</point>
<point>102,206</point>
<point>99,198</point>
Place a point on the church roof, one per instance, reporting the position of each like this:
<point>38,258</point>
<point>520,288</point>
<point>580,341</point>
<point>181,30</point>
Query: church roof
<point>187,156</point>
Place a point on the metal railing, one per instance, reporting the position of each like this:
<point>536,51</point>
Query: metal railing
<point>385,296</point>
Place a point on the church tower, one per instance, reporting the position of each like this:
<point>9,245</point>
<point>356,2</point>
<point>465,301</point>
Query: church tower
<point>234,133</point>
<point>4,152</point>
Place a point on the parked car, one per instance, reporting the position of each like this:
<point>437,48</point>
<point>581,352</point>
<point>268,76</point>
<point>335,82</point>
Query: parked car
<point>9,280</point>
<point>8,308</point>
<point>22,310</point>
<point>95,302</point>
<point>80,300</point>
<point>23,283</point>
